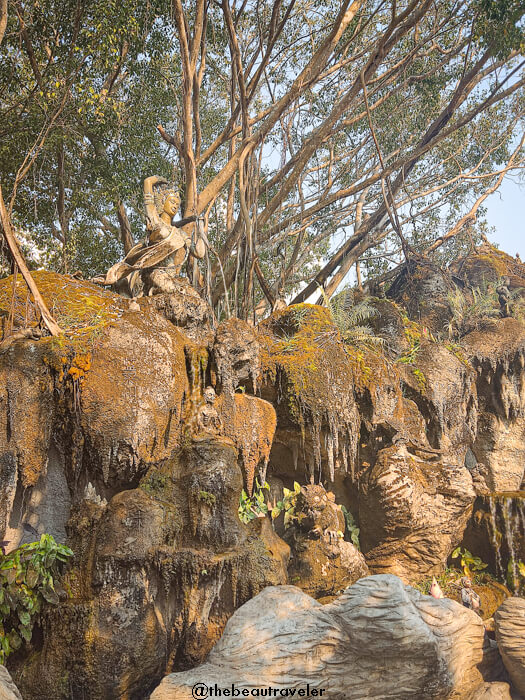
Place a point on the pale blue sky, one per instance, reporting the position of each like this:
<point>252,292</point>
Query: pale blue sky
<point>506,212</point>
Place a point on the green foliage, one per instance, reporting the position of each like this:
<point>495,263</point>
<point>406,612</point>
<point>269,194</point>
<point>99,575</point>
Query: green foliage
<point>468,561</point>
<point>498,25</point>
<point>350,319</point>
<point>254,506</point>
<point>469,309</point>
<point>207,497</point>
<point>155,483</point>
<point>351,527</point>
<point>28,580</point>
<point>516,575</point>
<point>287,505</point>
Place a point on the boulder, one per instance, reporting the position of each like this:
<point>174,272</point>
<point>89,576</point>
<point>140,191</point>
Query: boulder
<point>379,639</point>
<point>413,509</point>
<point>509,620</point>
<point>8,690</point>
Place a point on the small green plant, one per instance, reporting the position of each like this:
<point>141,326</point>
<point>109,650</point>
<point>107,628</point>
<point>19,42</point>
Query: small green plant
<point>468,561</point>
<point>516,575</point>
<point>254,506</point>
<point>155,482</point>
<point>28,579</point>
<point>207,497</point>
<point>420,378</point>
<point>467,311</point>
<point>351,527</point>
<point>288,505</point>
<point>350,319</point>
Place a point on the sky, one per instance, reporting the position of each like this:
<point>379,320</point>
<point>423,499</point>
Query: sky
<point>506,212</point>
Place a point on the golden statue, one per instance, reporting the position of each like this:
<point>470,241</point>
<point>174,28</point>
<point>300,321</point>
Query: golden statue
<point>164,242</point>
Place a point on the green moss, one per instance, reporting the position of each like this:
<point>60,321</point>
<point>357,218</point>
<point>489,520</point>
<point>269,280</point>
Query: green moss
<point>207,497</point>
<point>80,308</point>
<point>156,483</point>
<point>304,347</point>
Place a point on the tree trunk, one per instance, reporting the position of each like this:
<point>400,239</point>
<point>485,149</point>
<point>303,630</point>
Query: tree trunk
<point>125,228</point>
<point>12,244</point>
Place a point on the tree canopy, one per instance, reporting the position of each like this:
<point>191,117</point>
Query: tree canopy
<point>308,135</point>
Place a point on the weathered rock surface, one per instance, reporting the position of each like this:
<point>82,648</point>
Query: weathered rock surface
<point>179,303</point>
<point>322,564</point>
<point>158,572</point>
<point>497,352</point>
<point>492,691</point>
<point>235,356</point>
<point>250,422</point>
<point>412,511</point>
<point>98,430</point>
<point>509,620</point>
<point>8,690</point>
<point>378,639</point>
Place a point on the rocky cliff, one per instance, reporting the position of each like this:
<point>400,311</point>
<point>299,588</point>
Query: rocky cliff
<point>102,445</point>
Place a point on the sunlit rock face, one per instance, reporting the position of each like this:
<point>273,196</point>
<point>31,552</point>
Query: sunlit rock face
<point>8,690</point>
<point>510,631</point>
<point>100,446</point>
<point>498,355</point>
<point>378,639</point>
<point>97,447</point>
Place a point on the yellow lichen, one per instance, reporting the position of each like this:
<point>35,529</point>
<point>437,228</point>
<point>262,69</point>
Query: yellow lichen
<point>303,352</point>
<point>80,308</point>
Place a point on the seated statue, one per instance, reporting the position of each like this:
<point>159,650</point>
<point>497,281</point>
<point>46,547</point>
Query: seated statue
<point>165,244</point>
<point>469,597</point>
<point>208,418</point>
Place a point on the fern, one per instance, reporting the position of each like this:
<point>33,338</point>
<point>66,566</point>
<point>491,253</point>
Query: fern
<point>468,312</point>
<point>350,319</point>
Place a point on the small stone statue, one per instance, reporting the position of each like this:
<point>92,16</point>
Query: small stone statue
<point>469,597</point>
<point>165,244</point>
<point>208,419</point>
<point>504,297</point>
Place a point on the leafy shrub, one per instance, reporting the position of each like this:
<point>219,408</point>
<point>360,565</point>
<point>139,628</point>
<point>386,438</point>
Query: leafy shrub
<point>469,562</point>
<point>28,580</point>
<point>351,527</point>
<point>350,319</point>
<point>468,311</point>
<point>254,506</point>
<point>288,505</point>
<point>516,576</point>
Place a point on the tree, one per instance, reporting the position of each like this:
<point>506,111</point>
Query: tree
<point>307,135</point>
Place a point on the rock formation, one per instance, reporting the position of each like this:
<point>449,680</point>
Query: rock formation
<point>322,562</point>
<point>510,634</point>
<point>378,639</point>
<point>101,444</point>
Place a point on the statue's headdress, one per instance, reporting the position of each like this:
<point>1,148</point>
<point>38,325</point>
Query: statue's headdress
<point>160,193</point>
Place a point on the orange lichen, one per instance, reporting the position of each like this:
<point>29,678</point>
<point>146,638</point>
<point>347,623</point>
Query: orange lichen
<point>250,422</point>
<point>489,265</point>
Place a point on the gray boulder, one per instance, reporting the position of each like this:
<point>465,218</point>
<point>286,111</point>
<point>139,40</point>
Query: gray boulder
<point>379,639</point>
